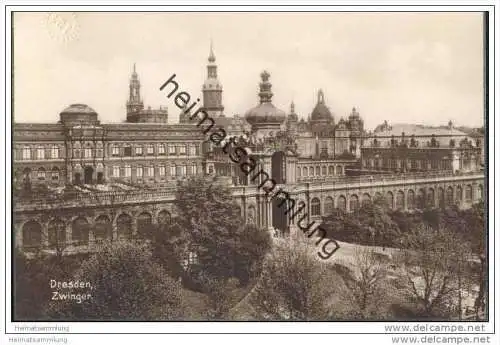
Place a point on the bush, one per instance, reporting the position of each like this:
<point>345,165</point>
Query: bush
<point>126,285</point>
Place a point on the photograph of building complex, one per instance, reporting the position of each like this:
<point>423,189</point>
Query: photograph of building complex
<point>284,206</point>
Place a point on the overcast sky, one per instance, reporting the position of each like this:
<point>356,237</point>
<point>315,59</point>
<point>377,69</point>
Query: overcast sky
<point>400,67</point>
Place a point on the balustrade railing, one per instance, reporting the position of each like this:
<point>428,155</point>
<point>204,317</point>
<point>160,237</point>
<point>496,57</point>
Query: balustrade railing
<point>385,177</point>
<point>99,198</point>
<point>120,197</point>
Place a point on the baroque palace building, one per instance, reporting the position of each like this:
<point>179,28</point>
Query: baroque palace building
<point>123,175</point>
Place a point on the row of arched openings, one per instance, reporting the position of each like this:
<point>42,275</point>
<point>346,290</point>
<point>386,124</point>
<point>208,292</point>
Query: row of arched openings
<point>398,200</point>
<point>32,233</point>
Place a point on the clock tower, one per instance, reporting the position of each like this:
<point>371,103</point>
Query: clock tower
<point>212,89</point>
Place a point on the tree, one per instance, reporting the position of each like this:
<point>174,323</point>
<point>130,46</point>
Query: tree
<point>125,285</point>
<point>169,248</point>
<point>432,267</point>
<point>293,285</point>
<point>364,283</point>
<point>212,222</point>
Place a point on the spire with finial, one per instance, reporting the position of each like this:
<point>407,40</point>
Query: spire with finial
<point>134,102</point>
<point>134,73</point>
<point>211,57</point>
<point>265,93</point>
<point>292,108</point>
<point>321,96</point>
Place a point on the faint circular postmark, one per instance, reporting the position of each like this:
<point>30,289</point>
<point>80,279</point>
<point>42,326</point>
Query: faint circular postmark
<point>63,26</point>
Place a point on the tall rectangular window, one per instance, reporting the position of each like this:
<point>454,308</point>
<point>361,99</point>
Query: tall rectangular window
<point>128,171</point>
<point>116,171</point>
<point>192,150</point>
<point>150,150</point>
<point>161,150</point>
<point>115,151</point>
<point>88,153</point>
<point>171,150</point>
<point>182,149</point>
<point>54,152</point>
<point>40,153</point>
<point>150,171</point>
<point>26,153</point>
<point>139,172</point>
<point>173,170</point>
<point>127,151</point>
<point>161,170</point>
<point>138,151</point>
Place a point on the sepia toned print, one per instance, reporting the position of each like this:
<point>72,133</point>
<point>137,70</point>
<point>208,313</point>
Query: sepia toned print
<point>338,175</point>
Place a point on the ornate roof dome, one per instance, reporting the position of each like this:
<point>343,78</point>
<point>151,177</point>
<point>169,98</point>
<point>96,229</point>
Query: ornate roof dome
<point>321,111</point>
<point>78,109</point>
<point>78,114</point>
<point>265,112</point>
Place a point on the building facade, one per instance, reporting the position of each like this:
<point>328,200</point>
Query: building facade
<point>128,171</point>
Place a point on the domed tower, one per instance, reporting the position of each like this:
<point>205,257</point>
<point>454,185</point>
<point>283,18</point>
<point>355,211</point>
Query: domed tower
<point>292,120</point>
<point>356,124</point>
<point>265,119</point>
<point>212,88</point>
<point>322,121</point>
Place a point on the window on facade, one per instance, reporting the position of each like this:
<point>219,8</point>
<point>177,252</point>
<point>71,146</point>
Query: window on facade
<point>311,171</point>
<point>116,171</point>
<point>88,153</point>
<point>171,150</point>
<point>128,171</point>
<point>161,149</point>
<point>139,172</point>
<point>40,153</point>
<point>161,170</point>
<point>434,164</point>
<point>192,150</point>
<point>315,207</point>
<point>98,153</point>
<point>468,193</point>
<point>298,172</point>
<point>318,171</point>
<point>127,151</point>
<point>328,205</point>
<point>115,151</point>
<point>323,170</point>
<point>55,174</point>
<point>181,170</point>
<point>150,150</point>
<point>41,174</point>
<point>182,149</point>
<point>353,203</point>
<point>150,171</point>
<point>26,153</point>
<point>173,170</point>
<point>54,152</point>
<point>138,151</point>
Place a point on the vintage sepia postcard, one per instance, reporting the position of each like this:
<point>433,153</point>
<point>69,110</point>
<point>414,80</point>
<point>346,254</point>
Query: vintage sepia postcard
<point>181,164</point>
